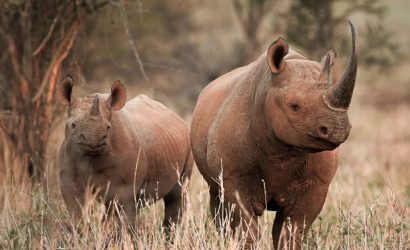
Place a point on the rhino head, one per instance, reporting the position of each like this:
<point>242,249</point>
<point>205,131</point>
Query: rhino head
<point>88,128</point>
<point>303,107</point>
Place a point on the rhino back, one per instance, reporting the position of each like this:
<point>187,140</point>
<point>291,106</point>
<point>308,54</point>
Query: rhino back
<point>164,139</point>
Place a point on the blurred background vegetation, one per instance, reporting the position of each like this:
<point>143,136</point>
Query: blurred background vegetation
<point>170,49</point>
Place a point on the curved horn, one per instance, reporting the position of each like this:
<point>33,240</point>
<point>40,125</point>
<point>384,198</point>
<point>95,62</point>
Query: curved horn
<point>340,95</point>
<point>95,109</point>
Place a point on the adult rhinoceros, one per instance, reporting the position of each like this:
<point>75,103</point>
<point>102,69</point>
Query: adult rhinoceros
<point>270,131</point>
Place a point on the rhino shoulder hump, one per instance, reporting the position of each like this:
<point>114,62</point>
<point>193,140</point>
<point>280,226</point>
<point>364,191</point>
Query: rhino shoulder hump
<point>294,55</point>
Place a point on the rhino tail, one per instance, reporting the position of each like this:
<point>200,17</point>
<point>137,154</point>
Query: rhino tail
<point>189,163</point>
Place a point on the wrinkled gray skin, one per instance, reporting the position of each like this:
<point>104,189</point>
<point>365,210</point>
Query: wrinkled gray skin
<point>270,130</point>
<point>105,137</point>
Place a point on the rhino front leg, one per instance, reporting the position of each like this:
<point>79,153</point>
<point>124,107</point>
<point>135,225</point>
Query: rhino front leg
<point>233,212</point>
<point>221,211</point>
<point>130,211</point>
<point>250,228</point>
<point>73,205</point>
<point>291,225</point>
<point>73,197</point>
<point>244,214</point>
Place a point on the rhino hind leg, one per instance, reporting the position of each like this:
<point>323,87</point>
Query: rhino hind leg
<point>174,203</point>
<point>175,200</point>
<point>291,225</point>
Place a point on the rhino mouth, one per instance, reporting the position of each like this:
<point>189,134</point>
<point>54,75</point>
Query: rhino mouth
<point>325,143</point>
<point>92,149</point>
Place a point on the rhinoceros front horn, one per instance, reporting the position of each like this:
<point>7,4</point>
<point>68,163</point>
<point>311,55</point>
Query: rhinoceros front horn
<point>340,94</point>
<point>95,108</point>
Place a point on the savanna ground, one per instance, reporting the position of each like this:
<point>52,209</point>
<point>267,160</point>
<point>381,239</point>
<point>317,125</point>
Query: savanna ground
<point>368,204</point>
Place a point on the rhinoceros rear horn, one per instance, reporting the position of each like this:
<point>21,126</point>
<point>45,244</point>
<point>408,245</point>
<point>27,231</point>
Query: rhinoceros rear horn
<point>327,63</point>
<point>276,52</point>
<point>118,96</point>
<point>65,90</point>
<point>340,94</point>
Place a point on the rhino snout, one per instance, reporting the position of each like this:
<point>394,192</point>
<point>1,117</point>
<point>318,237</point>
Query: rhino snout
<point>340,134</point>
<point>93,141</point>
<point>329,135</point>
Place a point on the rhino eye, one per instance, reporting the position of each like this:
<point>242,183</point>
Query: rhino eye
<point>295,108</point>
<point>73,125</point>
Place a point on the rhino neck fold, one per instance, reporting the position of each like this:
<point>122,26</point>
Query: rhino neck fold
<point>267,142</point>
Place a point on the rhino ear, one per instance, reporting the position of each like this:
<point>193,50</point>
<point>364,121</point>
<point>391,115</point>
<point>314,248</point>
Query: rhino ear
<point>118,96</point>
<point>276,52</point>
<point>65,90</point>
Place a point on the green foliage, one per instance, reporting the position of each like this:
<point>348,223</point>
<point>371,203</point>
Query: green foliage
<point>316,25</point>
<point>380,50</point>
<point>310,27</point>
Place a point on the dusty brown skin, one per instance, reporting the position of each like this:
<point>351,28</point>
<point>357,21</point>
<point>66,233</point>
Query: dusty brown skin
<point>105,136</point>
<point>273,127</point>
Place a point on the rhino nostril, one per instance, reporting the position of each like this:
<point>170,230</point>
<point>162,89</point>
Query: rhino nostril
<point>324,131</point>
<point>108,126</point>
<point>104,137</point>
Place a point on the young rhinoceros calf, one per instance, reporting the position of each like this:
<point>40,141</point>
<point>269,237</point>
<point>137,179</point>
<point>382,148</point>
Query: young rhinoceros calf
<point>269,131</point>
<point>126,150</point>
